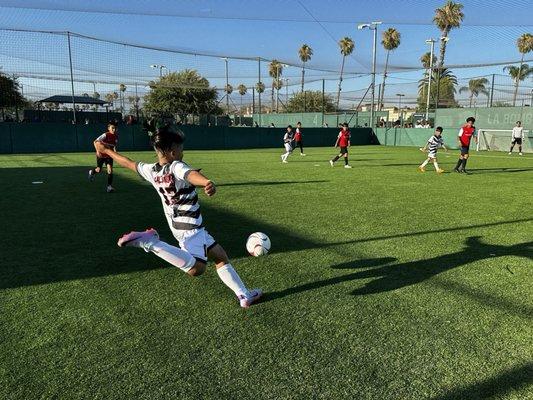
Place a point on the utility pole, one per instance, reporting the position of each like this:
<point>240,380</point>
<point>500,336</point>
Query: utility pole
<point>227,84</point>
<point>492,91</point>
<point>71,79</point>
<point>259,92</point>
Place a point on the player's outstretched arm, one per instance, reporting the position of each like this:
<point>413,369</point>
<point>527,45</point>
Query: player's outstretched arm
<point>119,158</point>
<point>197,179</point>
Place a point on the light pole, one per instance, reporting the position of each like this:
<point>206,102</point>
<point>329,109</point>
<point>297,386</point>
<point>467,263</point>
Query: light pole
<point>430,73</point>
<point>372,26</point>
<point>400,95</point>
<point>160,68</point>
<point>227,84</point>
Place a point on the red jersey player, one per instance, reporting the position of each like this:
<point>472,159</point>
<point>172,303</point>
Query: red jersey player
<point>298,139</point>
<point>464,138</point>
<point>109,139</point>
<point>343,141</point>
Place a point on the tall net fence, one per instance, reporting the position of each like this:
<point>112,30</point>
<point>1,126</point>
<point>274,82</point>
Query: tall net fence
<point>47,64</point>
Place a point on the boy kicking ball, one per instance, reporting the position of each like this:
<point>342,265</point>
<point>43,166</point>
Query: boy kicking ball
<point>432,146</point>
<point>176,183</point>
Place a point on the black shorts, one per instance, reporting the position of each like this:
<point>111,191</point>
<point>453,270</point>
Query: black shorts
<point>517,140</point>
<point>105,160</point>
<point>344,150</point>
<point>465,150</point>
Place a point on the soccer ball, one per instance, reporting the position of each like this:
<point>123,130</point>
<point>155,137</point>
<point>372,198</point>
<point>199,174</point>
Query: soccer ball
<point>258,244</point>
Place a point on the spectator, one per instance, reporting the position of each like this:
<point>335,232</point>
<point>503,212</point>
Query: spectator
<point>418,124</point>
<point>326,125</point>
<point>272,125</point>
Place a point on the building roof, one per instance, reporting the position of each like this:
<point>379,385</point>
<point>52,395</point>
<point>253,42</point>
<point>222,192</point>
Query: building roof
<point>77,100</point>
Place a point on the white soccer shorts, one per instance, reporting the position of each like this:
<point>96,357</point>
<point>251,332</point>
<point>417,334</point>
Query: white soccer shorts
<point>196,242</point>
<point>288,147</point>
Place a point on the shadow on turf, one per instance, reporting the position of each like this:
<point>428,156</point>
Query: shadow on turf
<point>396,276</point>
<point>497,170</point>
<point>267,183</point>
<point>516,378</point>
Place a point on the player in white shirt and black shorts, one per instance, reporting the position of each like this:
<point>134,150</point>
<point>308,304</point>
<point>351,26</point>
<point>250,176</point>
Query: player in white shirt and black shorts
<point>287,143</point>
<point>432,146</point>
<point>517,137</point>
<point>176,183</point>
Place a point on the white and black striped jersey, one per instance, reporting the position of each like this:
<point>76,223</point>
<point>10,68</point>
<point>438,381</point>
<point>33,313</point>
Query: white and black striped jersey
<point>434,143</point>
<point>289,137</point>
<point>179,197</point>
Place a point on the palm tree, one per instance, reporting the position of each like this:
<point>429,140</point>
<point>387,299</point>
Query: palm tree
<point>425,60</point>
<point>122,89</point>
<point>275,69</point>
<point>305,54</point>
<point>346,45</point>
<point>110,98</point>
<point>96,95</point>
<point>475,87</point>
<point>525,45</point>
<point>518,74</point>
<point>442,80</point>
<point>391,41</point>
<point>242,91</point>
<point>277,84</point>
<point>448,17</point>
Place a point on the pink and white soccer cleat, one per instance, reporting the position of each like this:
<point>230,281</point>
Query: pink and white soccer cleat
<point>138,239</point>
<point>255,295</point>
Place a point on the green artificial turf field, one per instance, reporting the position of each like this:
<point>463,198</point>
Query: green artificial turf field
<point>382,282</point>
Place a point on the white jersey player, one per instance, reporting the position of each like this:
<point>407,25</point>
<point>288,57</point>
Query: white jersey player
<point>517,137</point>
<point>287,143</point>
<point>176,183</point>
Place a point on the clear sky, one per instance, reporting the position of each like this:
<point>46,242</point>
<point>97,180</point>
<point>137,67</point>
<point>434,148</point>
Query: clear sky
<point>269,29</point>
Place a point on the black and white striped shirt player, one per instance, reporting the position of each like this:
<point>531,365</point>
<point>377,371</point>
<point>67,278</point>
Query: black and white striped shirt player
<point>180,204</point>
<point>434,143</point>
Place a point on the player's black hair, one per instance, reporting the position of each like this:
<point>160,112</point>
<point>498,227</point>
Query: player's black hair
<point>439,128</point>
<point>165,137</point>
<point>298,123</point>
<point>112,123</point>
<point>518,122</point>
<point>345,124</point>
<point>289,126</point>
<point>471,119</point>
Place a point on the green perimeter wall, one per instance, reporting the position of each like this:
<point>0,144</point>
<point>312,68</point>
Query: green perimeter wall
<point>486,118</point>
<point>452,119</point>
<point>60,137</point>
<point>317,119</point>
<point>418,137</point>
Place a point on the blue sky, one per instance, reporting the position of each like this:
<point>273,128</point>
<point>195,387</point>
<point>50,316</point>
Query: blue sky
<point>273,29</point>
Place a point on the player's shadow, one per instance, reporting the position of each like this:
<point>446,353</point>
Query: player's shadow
<point>268,183</point>
<point>498,170</point>
<point>386,276</point>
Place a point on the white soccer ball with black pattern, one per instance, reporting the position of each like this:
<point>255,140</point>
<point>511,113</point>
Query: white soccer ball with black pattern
<point>258,244</point>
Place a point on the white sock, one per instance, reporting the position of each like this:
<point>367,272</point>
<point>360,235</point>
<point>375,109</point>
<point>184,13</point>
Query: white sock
<point>436,165</point>
<point>231,279</point>
<point>171,254</point>
<point>425,163</point>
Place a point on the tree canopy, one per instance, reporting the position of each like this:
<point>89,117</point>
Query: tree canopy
<point>10,95</point>
<point>313,102</point>
<point>181,93</point>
